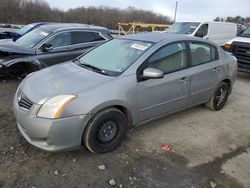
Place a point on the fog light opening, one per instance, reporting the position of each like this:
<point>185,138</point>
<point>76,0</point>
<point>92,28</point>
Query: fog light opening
<point>49,142</point>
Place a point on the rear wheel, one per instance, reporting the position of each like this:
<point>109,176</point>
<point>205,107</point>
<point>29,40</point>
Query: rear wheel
<point>219,98</point>
<point>105,131</point>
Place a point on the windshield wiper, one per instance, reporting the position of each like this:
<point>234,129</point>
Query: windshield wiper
<point>93,68</point>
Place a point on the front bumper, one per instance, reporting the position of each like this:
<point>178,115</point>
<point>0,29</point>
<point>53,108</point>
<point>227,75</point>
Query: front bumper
<point>49,134</point>
<point>243,67</point>
<point>2,70</point>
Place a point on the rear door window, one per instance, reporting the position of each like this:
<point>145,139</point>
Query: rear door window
<point>79,37</point>
<point>74,37</point>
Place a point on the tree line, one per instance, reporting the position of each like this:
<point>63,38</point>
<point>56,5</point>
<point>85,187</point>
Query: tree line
<point>237,19</point>
<point>28,11</point>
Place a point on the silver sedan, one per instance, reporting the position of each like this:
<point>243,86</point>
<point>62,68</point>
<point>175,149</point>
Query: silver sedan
<point>125,82</point>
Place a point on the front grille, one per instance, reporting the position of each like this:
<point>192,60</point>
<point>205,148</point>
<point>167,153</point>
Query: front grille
<point>242,52</point>
<point>24,102</point>
<point>244,67</point>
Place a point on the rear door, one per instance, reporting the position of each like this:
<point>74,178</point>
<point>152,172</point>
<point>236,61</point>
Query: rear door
<point>169,94</point>
<point>69,45</point>
<point>205,72</point>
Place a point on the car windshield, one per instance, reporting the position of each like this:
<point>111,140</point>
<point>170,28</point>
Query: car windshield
<point>183,27</point>
<point>32,38</point>
<point>25,29</point>
<point>246,33</point>
<point>115,56</point>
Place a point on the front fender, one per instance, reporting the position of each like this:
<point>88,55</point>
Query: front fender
<point>2,70</point>
<point>29,60</point>
<point>116,103</point>
<point>6,65</point>
<point>75,108</point>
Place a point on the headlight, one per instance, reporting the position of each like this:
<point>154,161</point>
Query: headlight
<point>54,107</point>
<point>227,47</point>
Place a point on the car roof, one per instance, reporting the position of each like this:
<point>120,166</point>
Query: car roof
<point>40,23</point>
<point>207,22</point>
<point>37,23</point>
<point>64,26</point>
<point>154,37</point>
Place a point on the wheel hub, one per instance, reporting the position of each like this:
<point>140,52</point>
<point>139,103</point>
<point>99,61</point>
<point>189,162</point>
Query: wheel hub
<point>107,131</point>
<point>221,97</point>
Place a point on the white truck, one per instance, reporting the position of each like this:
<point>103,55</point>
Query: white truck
<point>240,48</point>
<point>218,32</point>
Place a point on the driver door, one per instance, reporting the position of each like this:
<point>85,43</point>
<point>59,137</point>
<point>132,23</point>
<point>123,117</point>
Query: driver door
<point>166,95</point>
<point>61,50</point>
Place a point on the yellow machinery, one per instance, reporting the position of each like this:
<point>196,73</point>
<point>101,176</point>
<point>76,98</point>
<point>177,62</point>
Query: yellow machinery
<point>135,27</point>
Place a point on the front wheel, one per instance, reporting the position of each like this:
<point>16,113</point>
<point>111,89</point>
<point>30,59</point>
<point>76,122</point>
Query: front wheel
<point>105,131</point>
<point>219,98</point>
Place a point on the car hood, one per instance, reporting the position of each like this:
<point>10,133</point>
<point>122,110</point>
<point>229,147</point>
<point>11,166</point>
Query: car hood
<point>63,79</point>
<point>9,46</point>
<point>240,39</point>
<point>9,33</point>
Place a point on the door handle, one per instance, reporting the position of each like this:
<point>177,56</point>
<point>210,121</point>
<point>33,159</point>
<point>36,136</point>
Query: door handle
<point>216,69</point>
<point>183,80</point>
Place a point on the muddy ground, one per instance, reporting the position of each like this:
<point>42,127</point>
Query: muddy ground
<point>210,149</point>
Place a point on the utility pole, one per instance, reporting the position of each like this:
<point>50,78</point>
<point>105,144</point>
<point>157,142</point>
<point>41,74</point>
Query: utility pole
<point>176,7</point>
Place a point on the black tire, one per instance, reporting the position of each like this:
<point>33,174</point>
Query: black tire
<point>105,131</point>
<point>219,98</point>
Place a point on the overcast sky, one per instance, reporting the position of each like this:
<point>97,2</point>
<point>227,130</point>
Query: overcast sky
<point>188,10</point>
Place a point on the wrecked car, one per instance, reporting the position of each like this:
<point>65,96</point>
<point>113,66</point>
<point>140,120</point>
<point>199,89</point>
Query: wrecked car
<point>48,45</point>
<point>92,100</point>
<point>16,34</point>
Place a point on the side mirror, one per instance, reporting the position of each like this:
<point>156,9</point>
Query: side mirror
<point>151,73</point>
<point>46,47</point>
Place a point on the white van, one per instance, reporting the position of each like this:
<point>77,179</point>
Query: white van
<point>218,32</point>
<point>240,48</point>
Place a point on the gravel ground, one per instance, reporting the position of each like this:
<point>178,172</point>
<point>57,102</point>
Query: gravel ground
<point>210,149</point>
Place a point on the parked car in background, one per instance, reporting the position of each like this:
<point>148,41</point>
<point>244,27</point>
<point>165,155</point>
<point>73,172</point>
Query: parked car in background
<point>15,34</point>
<point>92,100</point>
<point>241,29</point>
<point>218,32</point>
<point>10,26</point>
<point>48,45</point>
<point>240,48</point>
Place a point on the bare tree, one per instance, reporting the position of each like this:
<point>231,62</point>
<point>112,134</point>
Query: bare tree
<point>27,11</point>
